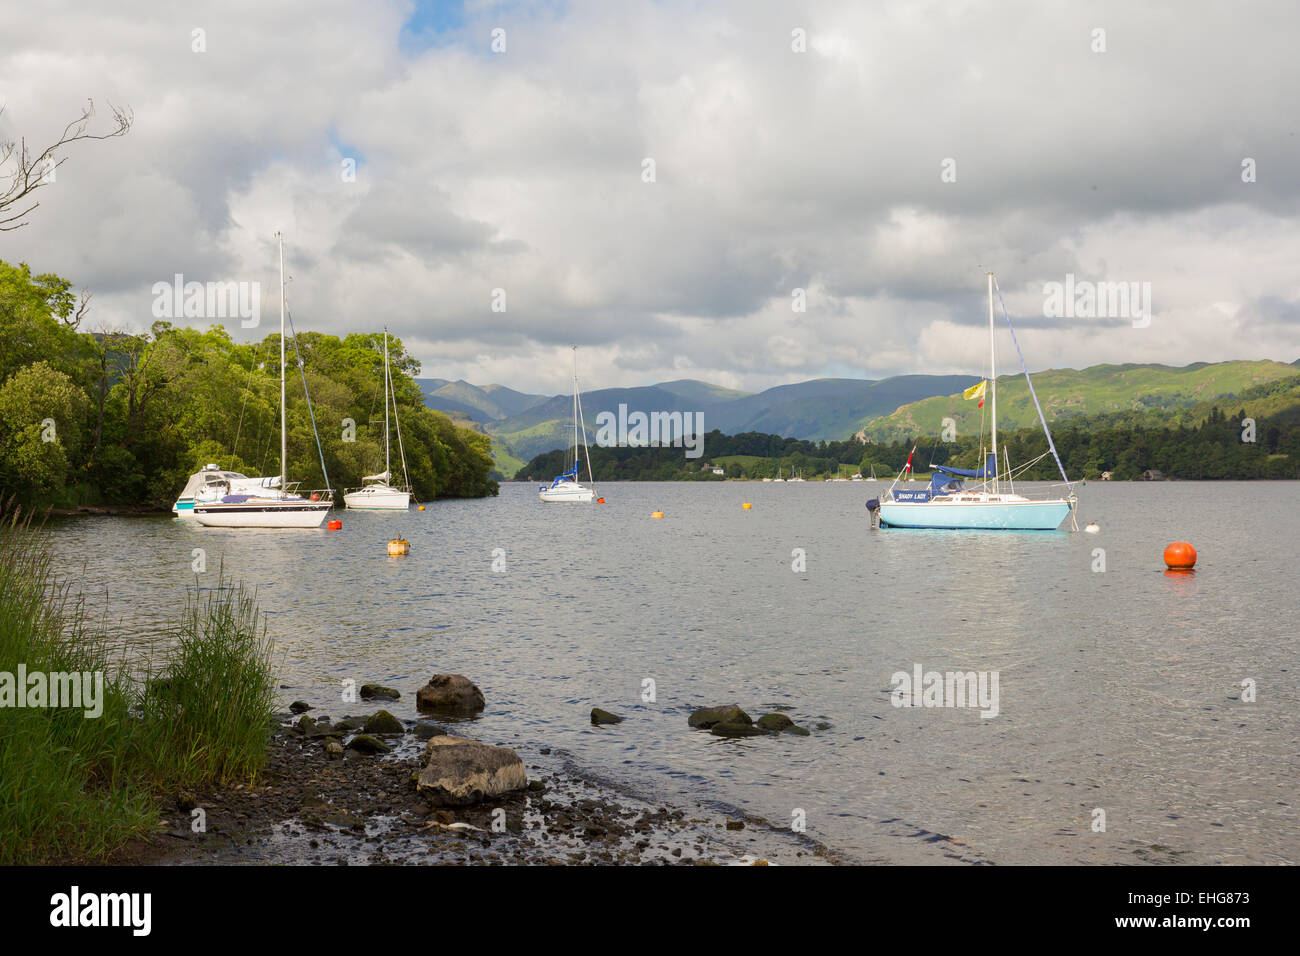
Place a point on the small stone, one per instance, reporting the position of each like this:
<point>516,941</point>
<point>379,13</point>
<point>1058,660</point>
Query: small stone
<point>299,707</point>
<point>186,801</point>
<point>333,749</point>
<point>735,729</point>
<point>735,824</point>
<point>372,691</point>
<point>775,723</point>
<point>599,716</point>
<point>706,717</point>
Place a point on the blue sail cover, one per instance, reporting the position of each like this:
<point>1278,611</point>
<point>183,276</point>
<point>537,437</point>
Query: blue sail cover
<point>942,480</point>
<point>570,475</point>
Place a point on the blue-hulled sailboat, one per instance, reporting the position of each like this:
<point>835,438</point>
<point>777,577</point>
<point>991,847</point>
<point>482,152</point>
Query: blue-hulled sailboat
<point>947,504</point>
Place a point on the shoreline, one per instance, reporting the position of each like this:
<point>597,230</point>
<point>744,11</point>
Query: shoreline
<point>308,808</point>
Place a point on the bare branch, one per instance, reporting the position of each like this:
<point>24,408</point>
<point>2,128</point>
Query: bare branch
<point>30,172</point>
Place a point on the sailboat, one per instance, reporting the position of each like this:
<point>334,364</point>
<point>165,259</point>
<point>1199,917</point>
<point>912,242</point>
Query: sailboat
<point>566,487</point>
<point>947,504</point>
<point>376,493</point>
<point>278,507</point>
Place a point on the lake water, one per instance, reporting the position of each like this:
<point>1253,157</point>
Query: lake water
<point>1119,690</point>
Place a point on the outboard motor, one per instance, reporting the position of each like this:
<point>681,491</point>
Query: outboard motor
<point>873,505</point>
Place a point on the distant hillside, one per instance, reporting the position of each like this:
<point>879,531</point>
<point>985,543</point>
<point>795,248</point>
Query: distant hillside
<point>484,404</point>
<point>830,408</point>
<point>1067,393</point>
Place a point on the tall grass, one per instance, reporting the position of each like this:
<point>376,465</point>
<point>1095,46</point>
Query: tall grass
<point>73,787</point>
<point>211,709</point>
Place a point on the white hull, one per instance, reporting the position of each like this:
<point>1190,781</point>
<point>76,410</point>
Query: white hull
<point>378,498</point>
<point>263,514</point>
<point>567,491</point>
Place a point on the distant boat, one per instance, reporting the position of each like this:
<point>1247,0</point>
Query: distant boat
<point>947,504</point>
<point>278,507</point>
<point>566,487</point>
<point>376,493</point>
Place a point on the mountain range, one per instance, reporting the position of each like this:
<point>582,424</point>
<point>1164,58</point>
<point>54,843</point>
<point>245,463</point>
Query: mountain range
<point>522,425</point>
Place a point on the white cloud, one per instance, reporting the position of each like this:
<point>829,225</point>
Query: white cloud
<point>775,169</point>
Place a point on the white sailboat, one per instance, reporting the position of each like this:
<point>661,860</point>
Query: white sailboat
<point>566,487</point>
<point>947,504</point>
<point>212,484</point>
<point>278,507</point>
<point>376,492</point>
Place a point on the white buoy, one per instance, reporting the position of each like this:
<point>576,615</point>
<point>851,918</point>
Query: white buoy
<point>1092,527</point>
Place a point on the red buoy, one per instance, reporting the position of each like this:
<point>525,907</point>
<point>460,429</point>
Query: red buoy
<point>335,525</point>
<point>1180,556</point>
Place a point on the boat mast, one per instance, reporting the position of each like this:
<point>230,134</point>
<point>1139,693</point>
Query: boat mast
<point>284,417</point>
<point>386,386</point>
<point>575,405</point>
<point>993,381</point>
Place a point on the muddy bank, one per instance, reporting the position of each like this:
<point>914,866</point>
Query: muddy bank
<point>310,807</point>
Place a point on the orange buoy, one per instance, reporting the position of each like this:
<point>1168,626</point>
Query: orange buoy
<point>421,508</point>
<point>656,514</point>
<point>335,525</point>
<point>1180,556</point>
<point>746,506</point>
<point>600,501</point>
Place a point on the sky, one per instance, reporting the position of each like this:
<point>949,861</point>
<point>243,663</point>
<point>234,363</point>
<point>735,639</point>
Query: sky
<point>881,157</point>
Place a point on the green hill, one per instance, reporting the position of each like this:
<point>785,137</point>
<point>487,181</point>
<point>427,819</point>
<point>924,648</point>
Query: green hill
<point>1069,393</point>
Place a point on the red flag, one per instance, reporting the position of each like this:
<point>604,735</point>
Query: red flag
<point>981,405</point>
<point>908,466</point>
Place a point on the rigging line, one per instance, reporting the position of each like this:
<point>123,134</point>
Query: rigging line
<point>247,388</point>
<point>398,422</point>
<point>1032,394</point>
<point>303,374</point>
<point>591,475</point>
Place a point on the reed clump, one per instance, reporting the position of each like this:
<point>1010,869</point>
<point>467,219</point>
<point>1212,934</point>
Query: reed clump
<point>76,782</point>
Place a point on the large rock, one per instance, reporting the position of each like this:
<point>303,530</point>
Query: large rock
<point>449,694</point>
<point>775,723</point>
<point>460,772</point>
<point>599,716</point>
<point>706,717</point>
<point>382,722</point>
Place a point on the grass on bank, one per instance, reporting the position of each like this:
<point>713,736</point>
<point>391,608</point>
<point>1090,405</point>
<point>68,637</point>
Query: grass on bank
<point>74,787</point>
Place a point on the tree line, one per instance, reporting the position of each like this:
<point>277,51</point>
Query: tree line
<point>120,418</point>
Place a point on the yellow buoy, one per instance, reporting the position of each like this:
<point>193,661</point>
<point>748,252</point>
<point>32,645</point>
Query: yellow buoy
<point>656,514</point>
<point>746,506</point>
<point>421,508</point>
<point>399,546</point>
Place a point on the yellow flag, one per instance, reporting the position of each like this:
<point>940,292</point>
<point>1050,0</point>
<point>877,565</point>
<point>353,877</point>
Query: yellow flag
<point>975,391</point>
